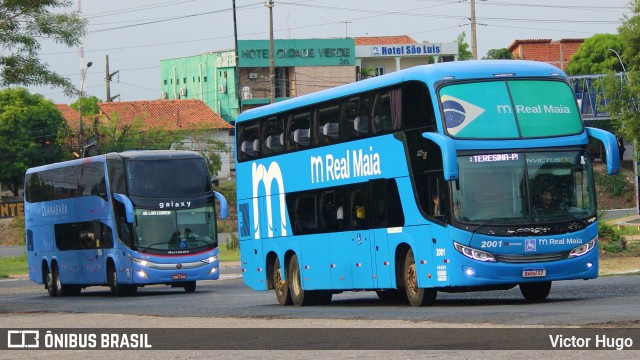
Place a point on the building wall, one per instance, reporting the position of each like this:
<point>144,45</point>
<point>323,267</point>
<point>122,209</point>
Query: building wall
<point>556,53</point>
<point>389,63</point>
<point>311,79</point>
<point>208,77</point>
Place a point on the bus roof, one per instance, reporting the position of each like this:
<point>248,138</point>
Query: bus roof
<point>130,154</point>
<point>459,70</point>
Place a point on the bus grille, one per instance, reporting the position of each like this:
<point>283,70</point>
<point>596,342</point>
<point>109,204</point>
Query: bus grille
<point>520,259</point>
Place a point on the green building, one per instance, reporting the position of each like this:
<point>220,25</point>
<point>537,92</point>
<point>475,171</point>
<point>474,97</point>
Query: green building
<point>209,77</point>
<point>302,66</point>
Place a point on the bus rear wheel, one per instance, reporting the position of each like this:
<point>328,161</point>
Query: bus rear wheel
<point>299,296</point>
<point>537,291</point>
<point>279,286</point>
<point>51,289</point>
<point>61,289</point>
<point>417,296</point>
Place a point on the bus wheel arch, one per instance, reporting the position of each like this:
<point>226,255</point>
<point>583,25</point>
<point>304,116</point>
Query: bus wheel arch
<point>270,259</point>
<point>112,281</point>
<point>400,255</point>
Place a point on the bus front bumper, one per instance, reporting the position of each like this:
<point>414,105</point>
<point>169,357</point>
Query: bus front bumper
<point>174,272</point>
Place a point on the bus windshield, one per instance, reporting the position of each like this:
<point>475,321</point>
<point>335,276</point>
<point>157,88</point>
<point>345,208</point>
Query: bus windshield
<point>519,188</point>
<point>156,178</point>
<point>175,231</point>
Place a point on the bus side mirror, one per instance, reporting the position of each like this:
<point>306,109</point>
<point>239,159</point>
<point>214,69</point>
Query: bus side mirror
<point>224,209</point>
<point>610,147</point>
<point>449,157</point>
<point>128,206</point>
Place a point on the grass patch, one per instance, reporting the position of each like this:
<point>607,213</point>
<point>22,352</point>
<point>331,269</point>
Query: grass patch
<point>228,255</point>
<point>16,265</point>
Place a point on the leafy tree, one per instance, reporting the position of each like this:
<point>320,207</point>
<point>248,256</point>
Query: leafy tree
<point>32,133</point>
<point>22,24</point>
<point>624,92</point>
<point>89,105</point>
<point>629,33</point>
<point>463,48</point>
<point>595,57</point>
<point>114,136</point>
<point>503,53</point>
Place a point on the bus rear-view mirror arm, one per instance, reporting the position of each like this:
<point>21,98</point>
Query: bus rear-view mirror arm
<point>223,205</point>
<point>128,205</point>
<point>610,146</point>
<point>449,158</point>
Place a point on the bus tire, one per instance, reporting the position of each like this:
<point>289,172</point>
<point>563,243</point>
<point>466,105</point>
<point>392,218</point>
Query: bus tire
<point>49,283</point>
<point>280,287</point>
<point>60,289</point>
<point>393,296</point>
<point>190,286</point>
<point>537,291</point>
<point>299,296</point>
<point>417,296</point>
<point>116,289</point>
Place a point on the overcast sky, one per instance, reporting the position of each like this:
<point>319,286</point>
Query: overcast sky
<point>137,34</point>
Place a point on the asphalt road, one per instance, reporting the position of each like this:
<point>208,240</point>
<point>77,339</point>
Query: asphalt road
<point>611,300</point>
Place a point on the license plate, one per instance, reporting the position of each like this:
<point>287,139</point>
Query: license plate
<point>534,273</point>
<point>179,276</point>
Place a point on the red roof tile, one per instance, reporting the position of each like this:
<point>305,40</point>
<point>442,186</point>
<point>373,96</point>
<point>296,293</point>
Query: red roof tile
<point>166,114</point>
<point>383,40</point>
<point>70,115</point>
<point>515,43</point>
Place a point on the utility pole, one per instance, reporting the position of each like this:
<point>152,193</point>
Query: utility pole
<point>272,65</point>
<point>108,78</point>
<point>345,27</point>
<point>83,75</point>
<point>237,67</point>
<point>474,41</point>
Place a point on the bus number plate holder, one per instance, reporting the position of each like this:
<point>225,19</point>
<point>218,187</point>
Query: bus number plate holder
<point>179,276</point>
<point>528,273</point>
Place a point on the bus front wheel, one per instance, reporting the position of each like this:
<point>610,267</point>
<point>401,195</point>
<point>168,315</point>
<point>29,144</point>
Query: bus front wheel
<point>537,291</point>
<point>417,296</point>
<point>117,289</point>
<point>279,286</point>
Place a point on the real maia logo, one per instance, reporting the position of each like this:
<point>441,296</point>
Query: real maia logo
<point>355,163</point>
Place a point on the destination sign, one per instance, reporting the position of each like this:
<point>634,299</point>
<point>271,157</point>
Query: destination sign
<point>493,158</point>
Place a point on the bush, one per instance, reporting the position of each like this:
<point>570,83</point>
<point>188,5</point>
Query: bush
<point>610,240</point>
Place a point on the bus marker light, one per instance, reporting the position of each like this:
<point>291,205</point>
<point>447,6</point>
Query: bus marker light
<point>358,264</point>
<point>259,269</point>
<point>386,263</point>
<point>243,270</point>
<point>429,276</point>
<point>306,279</point>
<point>446,261</point>
<point>422,262</point>
<point>306,267</point>
<point>332,266</point>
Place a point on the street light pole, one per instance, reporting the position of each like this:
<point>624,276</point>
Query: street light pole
<point>83,74</point>
<point>619,59</point>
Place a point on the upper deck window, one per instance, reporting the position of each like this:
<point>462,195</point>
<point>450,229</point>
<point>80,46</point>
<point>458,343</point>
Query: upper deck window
<point>509,109</point>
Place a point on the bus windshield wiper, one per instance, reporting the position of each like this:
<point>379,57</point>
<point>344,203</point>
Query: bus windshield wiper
<point>489,221</point>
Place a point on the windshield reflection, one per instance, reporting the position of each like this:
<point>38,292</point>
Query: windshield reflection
<point>175,230</point>
<point>524,188</point>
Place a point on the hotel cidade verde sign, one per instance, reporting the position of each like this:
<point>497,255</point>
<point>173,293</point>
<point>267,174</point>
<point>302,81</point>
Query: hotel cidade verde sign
<point>297,52</point>
<point>403,50</point>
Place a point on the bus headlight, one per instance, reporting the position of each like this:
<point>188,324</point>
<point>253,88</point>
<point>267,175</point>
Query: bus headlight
<point>210,259</point>
<point>584,248</point>
<point>139,261</point>
<point>474,254</point>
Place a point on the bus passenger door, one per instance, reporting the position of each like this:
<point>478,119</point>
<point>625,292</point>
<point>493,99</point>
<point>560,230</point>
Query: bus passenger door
<point>361,239</point>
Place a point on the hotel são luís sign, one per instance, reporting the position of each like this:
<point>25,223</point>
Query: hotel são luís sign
<point>404,50</point>
<point>297,52</point>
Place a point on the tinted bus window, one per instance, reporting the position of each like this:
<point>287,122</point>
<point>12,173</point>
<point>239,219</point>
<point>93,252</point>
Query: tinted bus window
<point>272,136</point>
<point>417,110</point>
<point>249,141</point>
<point>328,124</point>
<point>356,121</point>
<point>299,130</point>
<point>193,179</point>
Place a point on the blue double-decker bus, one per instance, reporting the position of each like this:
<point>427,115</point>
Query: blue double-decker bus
<point>123,220</point>
<point>450,177</point>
